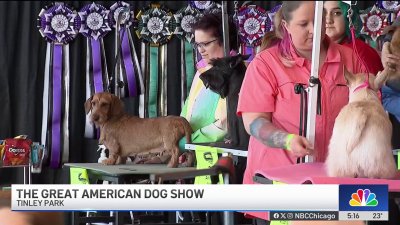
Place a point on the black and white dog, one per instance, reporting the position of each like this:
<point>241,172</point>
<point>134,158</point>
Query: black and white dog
<point>225,78</point>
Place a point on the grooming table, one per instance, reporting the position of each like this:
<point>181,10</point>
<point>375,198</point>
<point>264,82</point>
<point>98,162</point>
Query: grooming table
<point>314,173</point>
<point>121,174</point>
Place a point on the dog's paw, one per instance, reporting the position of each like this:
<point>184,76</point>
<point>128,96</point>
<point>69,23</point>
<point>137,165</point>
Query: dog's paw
<point>172,163</point>
<point>228,141</point>
<point>108,162</point>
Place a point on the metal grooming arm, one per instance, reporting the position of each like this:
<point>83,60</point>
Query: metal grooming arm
<point>313,88</point>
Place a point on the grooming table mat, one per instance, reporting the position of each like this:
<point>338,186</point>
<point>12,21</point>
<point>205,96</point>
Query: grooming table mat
<point>128,169</point>
<point>315,173</point>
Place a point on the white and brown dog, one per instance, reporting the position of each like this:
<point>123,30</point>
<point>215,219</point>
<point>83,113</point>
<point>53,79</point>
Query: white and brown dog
<point>360,145</point>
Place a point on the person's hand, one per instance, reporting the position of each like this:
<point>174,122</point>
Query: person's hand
<point>300,146</point>
<point>389,61</point>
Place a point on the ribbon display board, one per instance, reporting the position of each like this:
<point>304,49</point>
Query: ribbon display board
<point>154,26</point>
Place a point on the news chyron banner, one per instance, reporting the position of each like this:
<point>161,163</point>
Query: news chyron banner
<point>284,202</point>
<point>356,202</point>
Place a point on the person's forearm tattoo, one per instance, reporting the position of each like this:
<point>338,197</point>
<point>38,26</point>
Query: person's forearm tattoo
<point>262,129</point>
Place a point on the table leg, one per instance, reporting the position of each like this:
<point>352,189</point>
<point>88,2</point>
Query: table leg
<point>228,218</point>
<point>228,215</point>
<point>75,218</point>
<point>119,218</point>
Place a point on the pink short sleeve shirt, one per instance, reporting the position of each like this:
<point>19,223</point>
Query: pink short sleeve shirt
<point>268,86</point>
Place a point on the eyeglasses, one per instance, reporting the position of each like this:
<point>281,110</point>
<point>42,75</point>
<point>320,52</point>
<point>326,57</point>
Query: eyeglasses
<point>203,45</point>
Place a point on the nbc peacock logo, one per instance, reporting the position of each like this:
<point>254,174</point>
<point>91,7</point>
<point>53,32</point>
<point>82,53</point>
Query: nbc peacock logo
<point>363,197</point>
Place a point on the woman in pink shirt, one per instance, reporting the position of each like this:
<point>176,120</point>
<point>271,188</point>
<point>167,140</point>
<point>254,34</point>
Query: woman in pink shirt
<point>267,101</point>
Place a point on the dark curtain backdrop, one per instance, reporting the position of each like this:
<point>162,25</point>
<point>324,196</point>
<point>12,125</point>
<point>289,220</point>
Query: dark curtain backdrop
<point>22,57</point>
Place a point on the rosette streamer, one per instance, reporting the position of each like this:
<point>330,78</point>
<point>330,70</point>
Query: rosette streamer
<point>92,22</point>
<point>56,25</point>
<point>128,69</point>
<point>155,27</point>
<point>184,18</point>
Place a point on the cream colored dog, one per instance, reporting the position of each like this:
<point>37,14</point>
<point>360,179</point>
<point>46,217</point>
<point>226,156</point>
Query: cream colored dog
<point>361,141</point>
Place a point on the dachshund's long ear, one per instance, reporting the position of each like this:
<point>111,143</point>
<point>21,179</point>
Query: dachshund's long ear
<point>117,106</point>
<point>88,105</point>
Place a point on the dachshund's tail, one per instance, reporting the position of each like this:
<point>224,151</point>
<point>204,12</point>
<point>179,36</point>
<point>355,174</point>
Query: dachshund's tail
<point>188,130</point>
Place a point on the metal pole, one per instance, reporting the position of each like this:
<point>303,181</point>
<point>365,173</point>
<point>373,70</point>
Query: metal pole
<point>313,88</point>
<point>117,64</point>
<point>225,27</point>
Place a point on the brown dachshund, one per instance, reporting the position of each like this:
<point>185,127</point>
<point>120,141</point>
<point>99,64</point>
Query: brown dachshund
<point>125,135</point>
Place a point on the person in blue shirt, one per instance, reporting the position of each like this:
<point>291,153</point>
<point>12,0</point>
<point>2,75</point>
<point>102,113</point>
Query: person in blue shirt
<point>391,103</point>
<point>390,96</point>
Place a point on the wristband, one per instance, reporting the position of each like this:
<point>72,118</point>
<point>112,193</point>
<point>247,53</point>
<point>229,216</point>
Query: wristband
<point>289,138</point>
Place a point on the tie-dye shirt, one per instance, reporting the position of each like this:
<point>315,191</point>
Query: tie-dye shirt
<point>205,110</point>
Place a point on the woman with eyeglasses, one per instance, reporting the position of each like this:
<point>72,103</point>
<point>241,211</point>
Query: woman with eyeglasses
<point>204,109</point>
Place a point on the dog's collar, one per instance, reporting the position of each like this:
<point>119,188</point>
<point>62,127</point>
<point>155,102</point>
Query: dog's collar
<point>361,86</point>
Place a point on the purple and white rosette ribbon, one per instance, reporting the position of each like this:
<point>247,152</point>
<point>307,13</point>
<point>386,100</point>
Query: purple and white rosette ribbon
<point>92,22</point>
<point>129,69</point>
<point>391,7</point>
<point>126,20</point>
<point>271,14</point>
<point>253,23</point>
<point>56,25</point>
<point>205,6</point>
